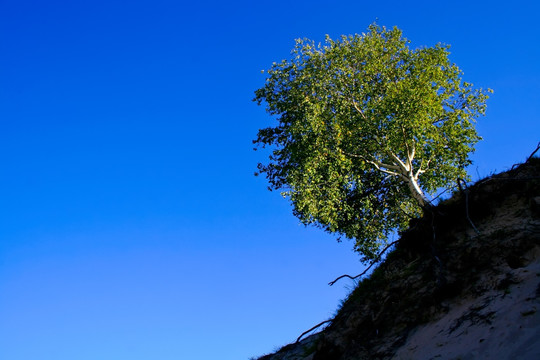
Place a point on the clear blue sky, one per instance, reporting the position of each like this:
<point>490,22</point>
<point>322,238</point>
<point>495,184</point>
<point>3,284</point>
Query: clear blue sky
<point>131,225</point>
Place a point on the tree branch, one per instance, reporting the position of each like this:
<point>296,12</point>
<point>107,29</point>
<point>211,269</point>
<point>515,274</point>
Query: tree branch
<point>313,328</point>
<point>422,170</point>
<point>376,163</point>
<point>410,155</point>
<point>465,190</point>
<point>534,152</point>
<point>404,167</point>
<point>384,170</point>
<point>369,267</point>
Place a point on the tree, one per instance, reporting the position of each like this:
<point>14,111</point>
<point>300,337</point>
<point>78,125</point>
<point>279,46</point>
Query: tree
<point>366,128</point>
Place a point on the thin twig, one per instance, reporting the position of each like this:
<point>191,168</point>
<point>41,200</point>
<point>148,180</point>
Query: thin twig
<point>369,267</point>
<point>313,328</point>
<point>534,152</point>
<point>466,192</point>
<point>440,194</point>
<point>529,158</point>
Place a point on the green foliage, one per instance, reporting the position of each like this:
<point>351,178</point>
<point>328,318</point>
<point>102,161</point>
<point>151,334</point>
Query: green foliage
<point>365,127</point>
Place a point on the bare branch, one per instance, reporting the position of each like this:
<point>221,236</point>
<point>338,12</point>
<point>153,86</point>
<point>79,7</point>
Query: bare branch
<point>465,190</point>
<point>534,152</point>
<point>384,170</point>
<point>382,167</point>
<point>403,166</point>
<point>313,328</point>
<point>369,267</point>
<point>376,163</point>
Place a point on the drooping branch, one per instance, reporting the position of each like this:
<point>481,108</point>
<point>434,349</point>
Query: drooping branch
<point>313,328</point>
<point>465,190</point>
<point>376,260</point>
<point>534,152</point>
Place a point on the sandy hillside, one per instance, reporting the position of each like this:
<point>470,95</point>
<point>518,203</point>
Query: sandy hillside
<point>462,283</point>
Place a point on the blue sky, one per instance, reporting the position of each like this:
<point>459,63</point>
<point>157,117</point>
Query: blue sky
<point>131,225</point>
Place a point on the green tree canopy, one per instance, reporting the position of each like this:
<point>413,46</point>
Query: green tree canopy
<point>366,128</point>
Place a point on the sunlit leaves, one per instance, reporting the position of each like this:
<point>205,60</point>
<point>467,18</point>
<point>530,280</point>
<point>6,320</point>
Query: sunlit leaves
<point>366,125</point>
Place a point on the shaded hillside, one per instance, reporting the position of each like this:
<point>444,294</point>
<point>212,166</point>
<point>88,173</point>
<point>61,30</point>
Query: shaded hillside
<point>462,282</point>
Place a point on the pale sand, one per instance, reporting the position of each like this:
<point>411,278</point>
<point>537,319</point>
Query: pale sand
<point>501,324</point>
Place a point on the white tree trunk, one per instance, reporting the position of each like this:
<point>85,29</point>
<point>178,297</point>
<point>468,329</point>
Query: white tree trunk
<point>416,191</point>
<point>404,170</point>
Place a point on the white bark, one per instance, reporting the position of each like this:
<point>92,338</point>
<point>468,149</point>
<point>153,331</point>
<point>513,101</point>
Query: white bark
<point>404,169</point>
<point>416,191</point>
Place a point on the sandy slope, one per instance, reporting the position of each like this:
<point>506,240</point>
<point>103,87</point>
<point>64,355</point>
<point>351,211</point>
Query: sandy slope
<point>463,284</point>
<point>499,325</point>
